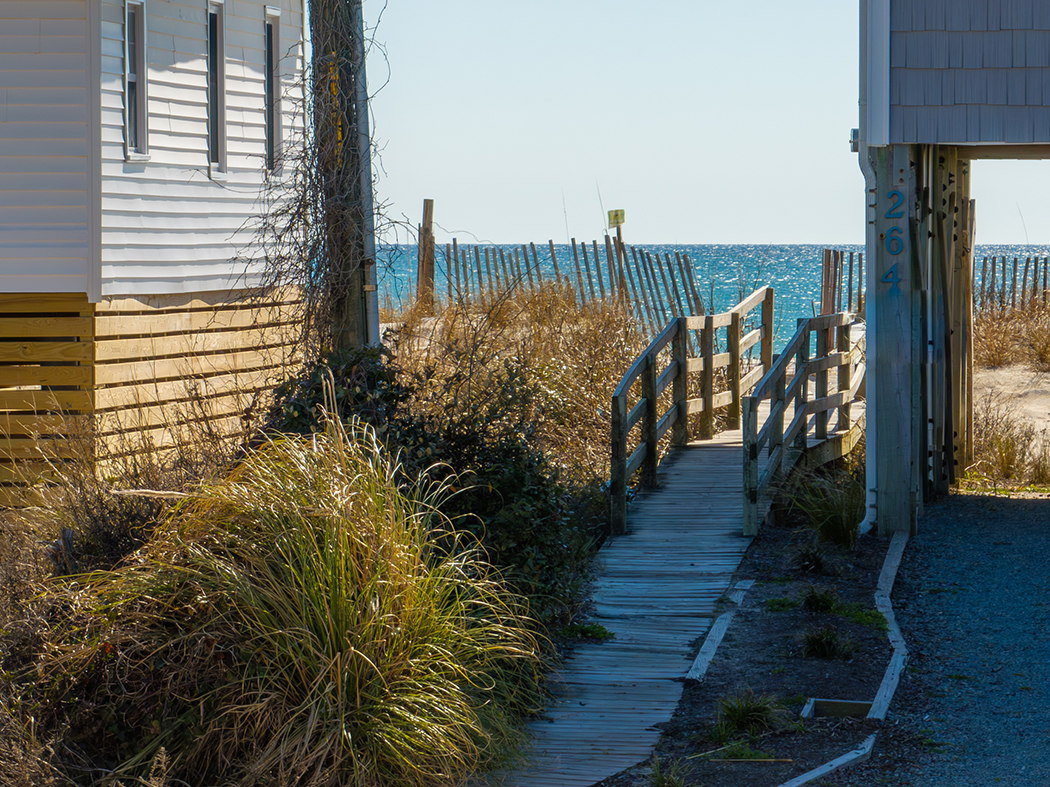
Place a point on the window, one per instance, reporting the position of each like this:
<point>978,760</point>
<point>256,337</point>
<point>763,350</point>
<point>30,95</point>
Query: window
<point>216,89</point>
<point>273,87</point>
<point>135,99</point>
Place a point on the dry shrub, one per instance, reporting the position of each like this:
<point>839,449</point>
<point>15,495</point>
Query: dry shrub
<point>997,341</point>
<point>1003,442</point>
<point>1037,337</point>
<point>563,357</point>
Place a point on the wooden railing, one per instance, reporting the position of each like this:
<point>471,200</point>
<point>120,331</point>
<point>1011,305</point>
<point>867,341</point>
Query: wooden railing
<point>656,370</point>
<point>788,385</point>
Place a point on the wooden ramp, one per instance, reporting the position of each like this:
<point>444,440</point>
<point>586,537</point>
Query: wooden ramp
<point>656,589</point>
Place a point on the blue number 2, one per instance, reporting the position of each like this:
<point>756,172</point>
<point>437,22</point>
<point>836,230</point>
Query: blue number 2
<point>896,210</point>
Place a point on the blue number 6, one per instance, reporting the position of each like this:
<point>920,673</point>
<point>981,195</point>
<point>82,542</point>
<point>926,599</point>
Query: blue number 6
<point>894,241</point>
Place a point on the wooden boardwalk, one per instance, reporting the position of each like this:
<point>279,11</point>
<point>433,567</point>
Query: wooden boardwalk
<point>656,589</point>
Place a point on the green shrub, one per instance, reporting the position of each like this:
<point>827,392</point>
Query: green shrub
<point>811,559</point>
<point>470,424</point>
<point>747,712</point>
<point>817,600</point>
<point>311,620</point>
<point>827,643</point>
<point>834,504</point>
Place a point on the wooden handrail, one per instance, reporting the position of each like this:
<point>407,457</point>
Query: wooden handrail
<point>655,370</point>
<point>789,382</point>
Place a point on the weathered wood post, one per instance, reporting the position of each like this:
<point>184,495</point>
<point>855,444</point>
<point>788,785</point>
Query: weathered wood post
<point>536,264</point>
<point>649,419</point>
<point>425,260</point>
<point>802,392</point>
<point>845,375</point>
<point>618,467</point>
<point>898,405</point>
<point>750,429</point>
<point>733,342</point>
<point>579,273</point>
<point>598,269</point>
<point>707,378</point>
<point>679,386</point>
<point>449,265</point>
<point>821,418</point>
<point>767,330</point>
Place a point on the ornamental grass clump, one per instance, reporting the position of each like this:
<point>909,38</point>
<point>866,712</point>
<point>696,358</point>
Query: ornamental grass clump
<point>309,621</point>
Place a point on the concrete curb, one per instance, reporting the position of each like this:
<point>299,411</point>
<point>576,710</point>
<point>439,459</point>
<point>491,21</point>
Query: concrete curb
<point>880,705</point>
<point>716,633</point>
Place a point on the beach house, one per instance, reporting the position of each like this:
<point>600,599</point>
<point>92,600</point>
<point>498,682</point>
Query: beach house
<point>136,137</point>
<point>942,84</point>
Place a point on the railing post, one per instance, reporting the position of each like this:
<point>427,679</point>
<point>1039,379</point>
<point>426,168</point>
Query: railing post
<point>733,415</point>
<point>679,387</point>
<point>776,405</point>
<point>822,384</point>
<point>750,434</point>
<point>801,398</point>
<point>707,379</point>
<point>845,374</point>
<point>649,420</point>
<point>767,331</point>
<point>618,468</point>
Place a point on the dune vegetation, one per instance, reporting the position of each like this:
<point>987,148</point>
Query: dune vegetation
<point>363,594</point>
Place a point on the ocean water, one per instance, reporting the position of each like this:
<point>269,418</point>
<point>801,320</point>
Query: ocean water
<point>722,272</point>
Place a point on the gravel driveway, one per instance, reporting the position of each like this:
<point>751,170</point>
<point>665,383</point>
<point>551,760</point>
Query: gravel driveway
<point>973,601</point>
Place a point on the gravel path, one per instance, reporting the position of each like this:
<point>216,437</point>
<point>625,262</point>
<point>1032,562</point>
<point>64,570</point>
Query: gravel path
<point>973,601</point>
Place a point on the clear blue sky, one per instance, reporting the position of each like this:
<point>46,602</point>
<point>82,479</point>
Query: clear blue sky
<point>706,121</point>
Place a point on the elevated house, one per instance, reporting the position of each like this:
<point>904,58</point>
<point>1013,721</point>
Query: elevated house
<point>135,139</point>
<point>943,83</point>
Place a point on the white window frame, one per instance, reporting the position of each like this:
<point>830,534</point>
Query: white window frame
<point>274,119</point>
<point>217,133</point>
<point>136,114</point>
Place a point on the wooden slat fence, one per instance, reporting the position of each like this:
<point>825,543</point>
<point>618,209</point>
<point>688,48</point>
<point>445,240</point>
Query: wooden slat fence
<point>839,288</point>
<point>652,287</point>
<point>1007,284</point>
<point>796,422</point>
<point>669,363</point>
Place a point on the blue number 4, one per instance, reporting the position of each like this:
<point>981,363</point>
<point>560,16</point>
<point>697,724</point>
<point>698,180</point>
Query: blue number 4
<point>892,278</point>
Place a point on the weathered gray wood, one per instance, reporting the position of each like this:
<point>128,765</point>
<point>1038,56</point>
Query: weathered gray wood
<point>733,413</point>
<point>707,378</point>
<point>618,470</point>
<point>680,351</point>
<point>895,338</point>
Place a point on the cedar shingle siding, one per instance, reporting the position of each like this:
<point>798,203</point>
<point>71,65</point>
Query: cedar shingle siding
<point>969,71</point>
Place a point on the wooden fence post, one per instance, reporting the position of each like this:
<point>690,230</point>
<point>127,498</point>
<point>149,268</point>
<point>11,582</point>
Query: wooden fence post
<point>707,378</point>
<point>618,479</point>
<point>554,260</point>
<point>579,274</point>
<point>845,375</point>
<point>680,388</point>
<point>1013,289</point>
<point>802,397</point>
<point>512,283</point>
<point>425,259</point>
<point>750,430</point>
<point>823,345</point>
<point>536,262</point>
<point>767,331</point>
<point>733,342</point>
<point>649,420</point>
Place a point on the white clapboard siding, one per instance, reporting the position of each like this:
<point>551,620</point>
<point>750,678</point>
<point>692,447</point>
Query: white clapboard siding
<point>167,227</point>
<point>44,215</point>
